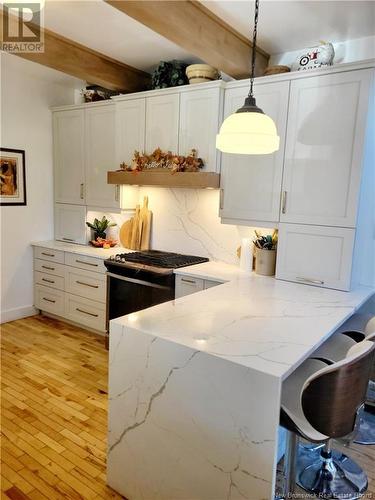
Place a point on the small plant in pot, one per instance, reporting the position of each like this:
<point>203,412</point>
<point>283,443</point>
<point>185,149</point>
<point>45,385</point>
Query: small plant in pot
<point>265,253</point>
<point>99,227</point>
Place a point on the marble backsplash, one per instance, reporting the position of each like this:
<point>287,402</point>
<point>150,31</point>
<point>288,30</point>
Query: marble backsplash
<point>187,221</point>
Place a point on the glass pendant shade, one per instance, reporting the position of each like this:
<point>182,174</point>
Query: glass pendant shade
<point>248,131</point>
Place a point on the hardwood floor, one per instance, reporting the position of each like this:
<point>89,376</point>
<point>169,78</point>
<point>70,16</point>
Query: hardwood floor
<point>54,411</point>
<point>54,414</point>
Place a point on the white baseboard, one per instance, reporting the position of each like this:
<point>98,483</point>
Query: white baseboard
<point>17,313</point>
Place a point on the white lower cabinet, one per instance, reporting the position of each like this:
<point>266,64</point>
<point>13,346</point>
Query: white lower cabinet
<point>85,283</point>
<point>70,223</point>
<point>85,312</point>
<point>49,280</point>
<point>186,285</point>
<point>49,300</point>
<point>76,290</point>
<point>315,255</point>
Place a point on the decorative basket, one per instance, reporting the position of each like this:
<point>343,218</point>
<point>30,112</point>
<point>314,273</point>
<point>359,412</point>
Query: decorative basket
<point>276,70</point>
<point>199,73</point>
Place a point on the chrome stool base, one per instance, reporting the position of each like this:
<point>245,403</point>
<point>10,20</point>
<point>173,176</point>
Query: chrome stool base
<point>366,428</point>
<point>333,475</point>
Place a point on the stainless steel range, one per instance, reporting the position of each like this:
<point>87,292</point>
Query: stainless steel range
<point>138,280</point>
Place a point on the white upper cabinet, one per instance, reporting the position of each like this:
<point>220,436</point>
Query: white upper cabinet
<point>130,129</point>
<point>315,255</point>
<point>323,158</point>
<point>69,156</point>
<point>162,120</point>
<point>70,223</point>
<point>251,184</point>
<point>100,156</point>
<point>200,116</point>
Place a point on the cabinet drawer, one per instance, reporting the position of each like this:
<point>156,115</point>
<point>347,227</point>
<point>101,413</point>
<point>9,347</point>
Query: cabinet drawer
<point>49,300</point>
<point>185,285</point>
<point>50,255</point>
<point>49,268</point>
<point>86,312</point>
<point>85,262</point>
<point>86,283</point>
<point>315,255</point>
<point>49,280</point>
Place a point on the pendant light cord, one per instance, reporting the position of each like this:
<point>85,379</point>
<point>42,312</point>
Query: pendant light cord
<point>253,54</point>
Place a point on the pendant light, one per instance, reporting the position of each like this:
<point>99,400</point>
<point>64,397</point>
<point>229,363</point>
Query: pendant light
<point>249,130</point>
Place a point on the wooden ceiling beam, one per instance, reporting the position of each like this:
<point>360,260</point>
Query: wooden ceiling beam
<point>199,31</point>
<point>79,61</point>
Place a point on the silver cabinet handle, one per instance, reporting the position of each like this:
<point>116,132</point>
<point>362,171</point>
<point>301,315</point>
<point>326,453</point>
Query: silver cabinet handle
<point>117,192</point>
<point>49,268</point>
<point>48,281</point>
<point>309,280</point>
<point>49,300</point>
<point>87,263</point>
<point>283,202</point>
<point>221,199</point>
<point>68,239</point>
<point>81,191</point>
<point>193,282</point>
<point>48,254</point>
<point>87,284</point>
<point>86,312</point>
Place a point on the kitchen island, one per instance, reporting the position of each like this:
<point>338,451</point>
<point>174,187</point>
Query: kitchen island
<point>195,384</point>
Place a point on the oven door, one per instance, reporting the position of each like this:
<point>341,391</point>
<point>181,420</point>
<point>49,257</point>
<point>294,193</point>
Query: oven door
<point>129,294</point>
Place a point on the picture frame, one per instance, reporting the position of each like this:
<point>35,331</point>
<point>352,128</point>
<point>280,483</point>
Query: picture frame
<point>12,177</point>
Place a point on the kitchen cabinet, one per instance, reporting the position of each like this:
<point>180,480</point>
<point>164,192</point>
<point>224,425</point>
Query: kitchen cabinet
<point>162,122</point>
<point>49,300</point>
<point>85,312</point>
<point>100,156</point>
<point>186,285</point>
<point>70,223</point>
<point>130,129</point>
<point>200,117</point>
<point>323,157</point>
<point>69,156</point>
<point>251,184</point>
<point>88,284</point>
<point>315,255</point>
<point>71,286</point>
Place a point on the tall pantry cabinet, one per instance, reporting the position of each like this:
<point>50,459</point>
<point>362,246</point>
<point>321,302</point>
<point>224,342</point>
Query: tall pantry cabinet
<point>84,150</point>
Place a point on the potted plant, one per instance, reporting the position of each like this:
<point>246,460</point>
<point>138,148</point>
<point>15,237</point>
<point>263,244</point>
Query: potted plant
<point>100,226</point>
<point>265,253</point>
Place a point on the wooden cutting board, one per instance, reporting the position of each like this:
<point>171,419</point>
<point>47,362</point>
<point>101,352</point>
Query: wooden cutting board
<point>136,234</point>
<point>126,233</point>
<point>145,221</point>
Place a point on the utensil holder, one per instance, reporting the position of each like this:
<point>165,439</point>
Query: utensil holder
<point>265,262</point>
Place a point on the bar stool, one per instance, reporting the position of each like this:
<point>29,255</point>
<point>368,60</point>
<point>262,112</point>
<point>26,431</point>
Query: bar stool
<point>320,401</point>
<point>366,429</point>
<point>357,328</point>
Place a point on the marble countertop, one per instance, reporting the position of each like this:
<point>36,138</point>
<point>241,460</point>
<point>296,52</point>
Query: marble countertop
<point>258,322</point>
<point>89,250</point>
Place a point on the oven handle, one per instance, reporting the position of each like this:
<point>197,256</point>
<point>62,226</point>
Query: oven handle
<point>138,282</point>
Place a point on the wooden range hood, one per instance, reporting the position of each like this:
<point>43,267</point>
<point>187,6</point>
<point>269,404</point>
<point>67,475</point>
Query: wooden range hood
<point>192,180</point>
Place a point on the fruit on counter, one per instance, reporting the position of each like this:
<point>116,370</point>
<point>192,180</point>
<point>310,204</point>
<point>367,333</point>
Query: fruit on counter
<point>103,243</point>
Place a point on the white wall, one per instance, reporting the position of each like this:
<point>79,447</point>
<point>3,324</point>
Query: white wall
<point>355,50</point>
<point>27,92</point>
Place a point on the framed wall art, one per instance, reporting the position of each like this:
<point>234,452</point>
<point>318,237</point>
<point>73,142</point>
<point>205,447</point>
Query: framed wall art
<point>12,177</point>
